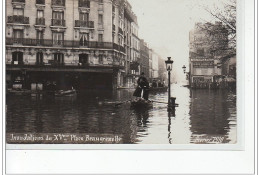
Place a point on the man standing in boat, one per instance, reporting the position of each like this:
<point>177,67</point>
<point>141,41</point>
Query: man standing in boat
<point>142,86</point>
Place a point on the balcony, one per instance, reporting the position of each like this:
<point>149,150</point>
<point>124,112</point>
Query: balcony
<point>84,3</point>
<point>134,65</point>
<point>64,43</point>
<point>120,31</point>
<point>41,2</point>
<point>118,47</point>
<point>87,24</point>
<point>114,28</point>
<point>21,1</point>
<point>58,22</point>
<point>113,9</point>
<point>40,21</point>
<point>58,2</point>
<point>18,19</point>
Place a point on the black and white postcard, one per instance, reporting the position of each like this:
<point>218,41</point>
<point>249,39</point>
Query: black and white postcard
<point>171,78</point>
<point>121,72</point>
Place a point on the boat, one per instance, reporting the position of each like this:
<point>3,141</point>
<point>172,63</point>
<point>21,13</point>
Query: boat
<point>141,103</point>
<point>61,93</point>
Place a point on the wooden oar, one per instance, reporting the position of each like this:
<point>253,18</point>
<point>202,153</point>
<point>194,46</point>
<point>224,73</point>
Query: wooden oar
<point>159,102</point>
<point>176,104</point>
<point>122,103</point>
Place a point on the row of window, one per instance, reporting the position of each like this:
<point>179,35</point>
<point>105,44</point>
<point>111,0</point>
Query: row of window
<point>58,2</point>
<point>58,58</point>
<point>57,15</point>
<point>57,37</point>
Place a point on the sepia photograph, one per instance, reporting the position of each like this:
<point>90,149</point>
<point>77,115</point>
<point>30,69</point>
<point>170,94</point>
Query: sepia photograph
<point>121,72</point>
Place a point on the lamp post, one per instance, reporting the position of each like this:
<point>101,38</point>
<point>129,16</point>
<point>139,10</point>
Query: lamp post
<point>169,68</point>
<point>187,74</point>
<point>184,69</point>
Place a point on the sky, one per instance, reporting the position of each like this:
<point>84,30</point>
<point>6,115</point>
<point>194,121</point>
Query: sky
<point>165,26</point>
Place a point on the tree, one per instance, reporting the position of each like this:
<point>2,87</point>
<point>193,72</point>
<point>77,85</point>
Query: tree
<point>227,16</point>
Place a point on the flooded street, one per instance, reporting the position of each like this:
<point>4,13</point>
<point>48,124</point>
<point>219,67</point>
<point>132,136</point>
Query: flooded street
<point>201,114</point>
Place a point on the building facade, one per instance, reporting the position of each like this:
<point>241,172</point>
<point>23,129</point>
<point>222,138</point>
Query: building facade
<point>206,50</point>
<point>131,45</point>
<point>162,73</point>
<point>155,64</point>
<point>77,43</point>
<point>144,58</point>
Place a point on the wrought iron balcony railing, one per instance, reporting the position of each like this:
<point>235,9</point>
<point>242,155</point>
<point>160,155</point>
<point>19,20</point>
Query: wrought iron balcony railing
<point>40,21</point>
<point>18,19</point>
<point>63,43</point>
<point>22,1</point>
<point>42,2</point>
<point>84,3</point>
<point>120,31</point>
<point>113,9</point>
<point>58,22</point>
<point>114,28</point>
<point>58,2</point>
<point>88,24</point>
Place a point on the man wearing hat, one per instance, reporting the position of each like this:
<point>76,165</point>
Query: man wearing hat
<point>142,86</point>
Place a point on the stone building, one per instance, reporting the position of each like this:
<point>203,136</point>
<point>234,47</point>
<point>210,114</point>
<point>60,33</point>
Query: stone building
<point>208,44</point>
<point>144,58</point>
<point>132,46</point>
<point>77,43</point>
<point>162,73</point>
<point>150,63</point>
<point>153,64</point>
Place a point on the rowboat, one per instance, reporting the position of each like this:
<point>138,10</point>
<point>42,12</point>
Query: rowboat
<point>141,103</point>
<point>61,93</point>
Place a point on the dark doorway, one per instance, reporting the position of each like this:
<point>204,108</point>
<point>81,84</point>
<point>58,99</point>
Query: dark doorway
<point>83,59</point>
<point>39,58</point>
<point>58,59</point>
<point>94,81</point>
<point>17,58</point>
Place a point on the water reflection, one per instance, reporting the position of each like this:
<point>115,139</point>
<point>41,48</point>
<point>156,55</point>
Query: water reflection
<point>200,113</point>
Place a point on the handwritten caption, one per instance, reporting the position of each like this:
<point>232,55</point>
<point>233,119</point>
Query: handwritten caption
<point>209,139</point>
<point>59,138</point>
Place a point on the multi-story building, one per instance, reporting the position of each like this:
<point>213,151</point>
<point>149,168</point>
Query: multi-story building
<point>131,32</point>
<point>150,64</point>
<point>135,53</point>
<point>208,43</point>
<point>162,73</point>
<point>77,43</point>
<point>155,66</point>
<point>144,58</point>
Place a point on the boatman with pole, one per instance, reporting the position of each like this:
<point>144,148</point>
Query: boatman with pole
<point>142,86</point>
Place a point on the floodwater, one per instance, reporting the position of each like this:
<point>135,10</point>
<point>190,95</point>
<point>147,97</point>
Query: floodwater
<point>203,116</point>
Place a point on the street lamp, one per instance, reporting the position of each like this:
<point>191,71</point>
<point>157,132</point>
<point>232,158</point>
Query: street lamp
<point>169,68</point>
<point>187,73</point>
<point>184,68</point>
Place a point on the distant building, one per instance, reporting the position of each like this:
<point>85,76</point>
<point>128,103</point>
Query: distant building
<point>155,64</point>
<point>162,73</point>
<point>208,44</point>
<point>150,64</point>
<point>144,58</point>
